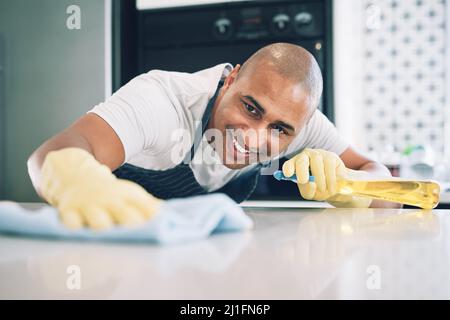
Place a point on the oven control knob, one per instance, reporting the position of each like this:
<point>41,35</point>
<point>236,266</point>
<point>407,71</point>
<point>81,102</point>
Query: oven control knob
<point>302,19</point>
<point>280,22</point>
<point>222,28</point>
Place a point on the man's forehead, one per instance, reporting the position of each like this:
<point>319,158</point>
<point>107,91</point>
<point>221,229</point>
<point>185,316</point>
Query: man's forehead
<point>273,85</point>
<point>276,90</point>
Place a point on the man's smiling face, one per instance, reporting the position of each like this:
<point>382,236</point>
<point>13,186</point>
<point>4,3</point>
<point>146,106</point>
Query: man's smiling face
<point>258,114</point>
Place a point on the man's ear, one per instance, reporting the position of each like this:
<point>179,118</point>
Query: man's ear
<point>232,76</point>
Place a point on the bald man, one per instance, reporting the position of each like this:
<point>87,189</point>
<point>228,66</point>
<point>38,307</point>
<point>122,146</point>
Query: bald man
<point>171,134</point>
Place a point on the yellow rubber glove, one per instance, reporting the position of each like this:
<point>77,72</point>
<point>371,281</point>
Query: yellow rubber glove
<point>327,168</point>
<point>87,193</point>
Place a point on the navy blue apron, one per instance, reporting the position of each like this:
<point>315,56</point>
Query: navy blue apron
<point>180,182</point>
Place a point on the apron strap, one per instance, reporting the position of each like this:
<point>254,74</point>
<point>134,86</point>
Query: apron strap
<point>200,130</point>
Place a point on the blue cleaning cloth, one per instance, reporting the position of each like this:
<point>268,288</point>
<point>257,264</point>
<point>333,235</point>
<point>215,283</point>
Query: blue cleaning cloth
<point>178,220</point>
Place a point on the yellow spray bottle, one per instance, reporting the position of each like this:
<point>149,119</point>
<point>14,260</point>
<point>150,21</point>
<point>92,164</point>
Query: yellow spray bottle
<point>420,193</point>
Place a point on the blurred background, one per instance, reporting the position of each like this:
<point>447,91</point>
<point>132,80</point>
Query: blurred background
<point>385,65</point>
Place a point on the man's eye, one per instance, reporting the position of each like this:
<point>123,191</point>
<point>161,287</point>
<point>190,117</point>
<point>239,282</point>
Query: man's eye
<point>250,109</point>
<point>278,128</point>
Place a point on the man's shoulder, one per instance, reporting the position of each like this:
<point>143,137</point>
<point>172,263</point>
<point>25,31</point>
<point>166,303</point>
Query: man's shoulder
<point>318,119</point>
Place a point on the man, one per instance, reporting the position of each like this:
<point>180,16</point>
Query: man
<point>155,135</point>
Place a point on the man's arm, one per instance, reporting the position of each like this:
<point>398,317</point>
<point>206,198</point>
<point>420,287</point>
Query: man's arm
<point>90,133</point>
<point>356,161</point>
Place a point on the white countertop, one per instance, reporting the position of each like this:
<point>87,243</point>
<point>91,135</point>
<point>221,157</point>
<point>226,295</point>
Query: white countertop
<point>445,197</point>
<point>293,253</point>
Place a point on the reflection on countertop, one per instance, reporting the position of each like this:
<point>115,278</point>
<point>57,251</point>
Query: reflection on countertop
<point>292,253</point>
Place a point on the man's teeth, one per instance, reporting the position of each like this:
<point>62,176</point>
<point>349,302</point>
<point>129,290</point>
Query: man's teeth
<point>239,147</point>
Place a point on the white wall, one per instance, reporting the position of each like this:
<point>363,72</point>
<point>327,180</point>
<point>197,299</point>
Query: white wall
<point>347,52</point>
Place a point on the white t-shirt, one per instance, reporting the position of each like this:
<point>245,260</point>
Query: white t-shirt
<point>150,111</point>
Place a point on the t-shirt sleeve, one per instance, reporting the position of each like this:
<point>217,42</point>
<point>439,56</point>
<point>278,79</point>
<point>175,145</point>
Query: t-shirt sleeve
<point>141,114</point>
<point>319,133</point>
